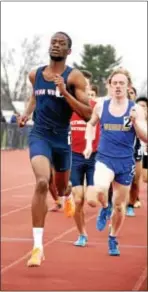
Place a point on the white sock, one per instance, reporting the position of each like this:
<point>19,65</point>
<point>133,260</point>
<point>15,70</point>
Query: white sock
<point>61,200</point>
<point>68,197</point>
<point>38,237</point>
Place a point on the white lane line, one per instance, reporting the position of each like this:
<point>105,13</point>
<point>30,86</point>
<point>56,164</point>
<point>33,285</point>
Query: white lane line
<point>105,243</point>
<point>17,187</point>
<point>15,239</point>
<point>140,280</point>
<point>15,210</point>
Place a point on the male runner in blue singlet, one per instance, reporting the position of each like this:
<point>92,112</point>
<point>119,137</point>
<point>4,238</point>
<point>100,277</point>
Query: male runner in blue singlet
<point>58,90</point>
<point>120,122</point>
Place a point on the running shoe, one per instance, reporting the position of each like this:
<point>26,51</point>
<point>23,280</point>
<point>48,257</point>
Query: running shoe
<point>36,258</point>
<point>69,206</point>
<point>130,211</point>
<point>102,218</point>
<point>113,249</point>
<point>81,241</point>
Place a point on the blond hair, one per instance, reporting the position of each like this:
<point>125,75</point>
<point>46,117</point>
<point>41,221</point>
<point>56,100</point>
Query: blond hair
<point>120,71</point>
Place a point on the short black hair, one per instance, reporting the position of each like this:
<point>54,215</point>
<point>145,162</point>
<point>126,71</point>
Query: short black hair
<point>68,37</point>
<point>142,98</point>
<point>95,88</point>
<point>87,74</point>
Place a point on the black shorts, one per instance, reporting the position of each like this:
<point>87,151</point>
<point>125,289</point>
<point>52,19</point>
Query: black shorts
<point>137,150</point>
<point>145,161</point>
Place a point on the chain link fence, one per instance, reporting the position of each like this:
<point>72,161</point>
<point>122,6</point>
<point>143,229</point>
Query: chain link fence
<point>13,137</point>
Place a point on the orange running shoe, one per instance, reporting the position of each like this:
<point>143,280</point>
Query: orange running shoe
<point>69,206</point>
<point>36,258</point>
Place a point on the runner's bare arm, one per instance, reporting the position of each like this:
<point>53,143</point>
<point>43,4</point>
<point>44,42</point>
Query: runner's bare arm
<point>140,124</point>
<point>79,104</point>
<point>90,132</point>
<point>90,128</point>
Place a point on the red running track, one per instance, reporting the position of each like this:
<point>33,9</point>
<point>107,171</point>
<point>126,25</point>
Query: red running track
<point>66,267</point>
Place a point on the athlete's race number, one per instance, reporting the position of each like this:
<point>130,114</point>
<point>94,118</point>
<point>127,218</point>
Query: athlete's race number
<point>127,122</point>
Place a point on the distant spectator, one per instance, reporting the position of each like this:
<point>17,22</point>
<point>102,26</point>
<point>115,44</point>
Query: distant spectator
<point>132,93</point>
<point>2,118</point>
<point>93,93</point>
<point>13,119</point>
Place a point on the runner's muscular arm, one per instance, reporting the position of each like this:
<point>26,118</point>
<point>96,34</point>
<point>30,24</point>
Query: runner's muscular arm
<point>79,104</point>
<point>140,124</point>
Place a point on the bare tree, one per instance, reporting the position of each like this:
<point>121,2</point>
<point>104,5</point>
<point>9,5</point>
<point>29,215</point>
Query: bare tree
<point>29,59</point>
<point>6,102</point>
<point>6,61</point>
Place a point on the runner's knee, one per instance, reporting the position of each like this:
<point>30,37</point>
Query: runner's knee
<point>78,195</point>
<point>78,201</point>
<point>119,207</point>
<point>42,185</point>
